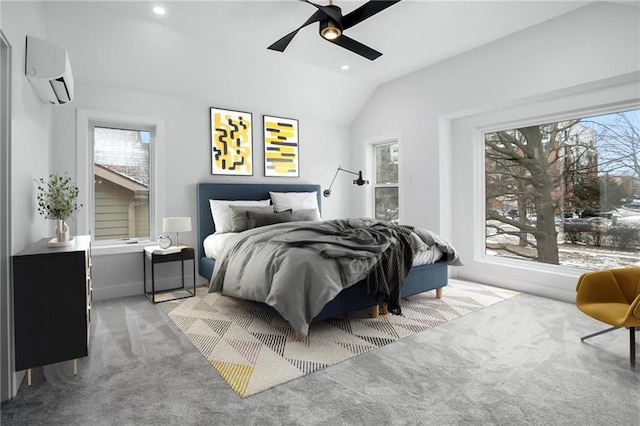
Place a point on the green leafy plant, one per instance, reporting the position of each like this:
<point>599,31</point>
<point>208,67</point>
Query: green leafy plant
<point>57,197</point>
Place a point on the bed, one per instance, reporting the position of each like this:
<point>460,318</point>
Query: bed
<point>419,279</point>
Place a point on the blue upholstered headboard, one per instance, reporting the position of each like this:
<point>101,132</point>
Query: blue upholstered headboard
<point>237,191</point>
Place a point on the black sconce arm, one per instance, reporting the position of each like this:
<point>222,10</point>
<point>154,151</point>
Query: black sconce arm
<point>359,181</point>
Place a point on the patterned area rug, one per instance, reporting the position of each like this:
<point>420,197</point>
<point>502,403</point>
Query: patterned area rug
<point>254,350</point>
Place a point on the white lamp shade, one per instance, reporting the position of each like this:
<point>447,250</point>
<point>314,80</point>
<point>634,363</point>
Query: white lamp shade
<point>176,224</point>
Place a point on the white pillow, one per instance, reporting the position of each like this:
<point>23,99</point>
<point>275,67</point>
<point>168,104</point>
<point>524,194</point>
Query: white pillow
<point>221,212</point>
<point>295,201</point>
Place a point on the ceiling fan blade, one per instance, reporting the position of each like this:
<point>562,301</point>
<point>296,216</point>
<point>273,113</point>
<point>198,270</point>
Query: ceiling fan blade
<point>365,11</point>
<point>282,44</point>
<point>356,47</point>
<point>331,12</point>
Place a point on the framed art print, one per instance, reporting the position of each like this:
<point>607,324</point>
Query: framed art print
<point>280,146</point>
<point>231,142</point>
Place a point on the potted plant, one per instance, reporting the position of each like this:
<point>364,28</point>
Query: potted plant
<point>57,200</point>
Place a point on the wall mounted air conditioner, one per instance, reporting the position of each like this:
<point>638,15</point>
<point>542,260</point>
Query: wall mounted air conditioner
<point>49,71</point>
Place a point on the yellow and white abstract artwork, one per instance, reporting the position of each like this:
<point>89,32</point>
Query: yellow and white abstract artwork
<point>280,146</point>
<point>231,142</point>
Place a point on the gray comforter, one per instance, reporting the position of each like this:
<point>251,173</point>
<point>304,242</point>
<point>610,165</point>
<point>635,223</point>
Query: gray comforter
<point>298,267</point>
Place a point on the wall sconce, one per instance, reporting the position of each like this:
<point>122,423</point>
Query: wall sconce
<point>177,225</point>
<point>360,181</point>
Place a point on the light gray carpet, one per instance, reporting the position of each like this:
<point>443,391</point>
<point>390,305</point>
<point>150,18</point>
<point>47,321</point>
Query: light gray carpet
<point>517,362</point>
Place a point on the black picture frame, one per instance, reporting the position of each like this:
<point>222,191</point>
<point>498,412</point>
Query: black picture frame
<point>231,142</point>
<point>281,146</point>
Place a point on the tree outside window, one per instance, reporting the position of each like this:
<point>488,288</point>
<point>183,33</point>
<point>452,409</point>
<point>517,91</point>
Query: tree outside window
<point>565,193</point>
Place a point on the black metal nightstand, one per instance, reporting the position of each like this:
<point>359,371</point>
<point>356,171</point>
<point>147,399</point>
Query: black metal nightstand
<point>153,257</point>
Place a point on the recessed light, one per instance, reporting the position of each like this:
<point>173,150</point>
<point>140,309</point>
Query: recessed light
<point>345,67</point>
<point>159,10</point>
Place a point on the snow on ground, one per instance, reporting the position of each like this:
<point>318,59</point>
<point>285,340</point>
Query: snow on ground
<point>589,257</point>
<point>585,257</point>
<point>574,255</point>
<point>628,220</point>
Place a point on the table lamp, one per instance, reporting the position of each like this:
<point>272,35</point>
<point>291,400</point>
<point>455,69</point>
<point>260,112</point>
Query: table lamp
<point>177,225</point>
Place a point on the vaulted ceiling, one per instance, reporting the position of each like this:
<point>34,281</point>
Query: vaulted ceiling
<point>196,45</point>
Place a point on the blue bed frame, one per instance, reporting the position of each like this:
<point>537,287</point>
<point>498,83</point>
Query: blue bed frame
<point>420,278</point>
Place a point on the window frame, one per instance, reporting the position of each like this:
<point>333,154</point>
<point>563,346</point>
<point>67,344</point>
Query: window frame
<point>479,133</point>
<point>370,169</point>
<point>374,175</point>
<point>464,135</point>
<point>152,131</point>
<point>86,121</point>
<point>480,249</point>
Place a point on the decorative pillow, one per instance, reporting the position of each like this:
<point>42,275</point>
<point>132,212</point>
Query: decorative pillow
<point>304,215</point>
<point>221,212</point>
<point>239,220</point>
<point>256,219</point>
<point>296,201</point>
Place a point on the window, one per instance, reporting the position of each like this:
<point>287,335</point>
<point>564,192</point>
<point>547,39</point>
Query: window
<point>118,156</point>
<point>121,183</point>
<point>565,193</point>
<point>386,185</point>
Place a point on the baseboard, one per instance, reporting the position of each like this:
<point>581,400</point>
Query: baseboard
<point>537,289</point>
<point>116,291</point>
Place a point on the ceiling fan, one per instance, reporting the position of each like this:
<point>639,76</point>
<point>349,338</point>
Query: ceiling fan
<point>333,24</point>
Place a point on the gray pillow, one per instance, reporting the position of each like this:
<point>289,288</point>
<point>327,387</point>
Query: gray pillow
<point>239,220</point>
<point>304,214</point>
<point>257,219</point>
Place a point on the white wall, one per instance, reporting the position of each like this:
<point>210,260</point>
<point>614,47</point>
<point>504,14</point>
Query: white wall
<point>31,142</point>
<point>588,46</point>
<point>32,125</point>
<point>323,146</point>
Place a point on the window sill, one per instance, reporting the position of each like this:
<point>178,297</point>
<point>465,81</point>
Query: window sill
<point>123,248</point>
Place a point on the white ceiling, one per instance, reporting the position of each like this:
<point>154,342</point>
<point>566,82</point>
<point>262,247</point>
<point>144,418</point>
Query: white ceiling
<point>125,42</point>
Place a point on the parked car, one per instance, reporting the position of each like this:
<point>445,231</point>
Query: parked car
<point>635,204</point>
<point>592,213</point>
<point>582,225</point>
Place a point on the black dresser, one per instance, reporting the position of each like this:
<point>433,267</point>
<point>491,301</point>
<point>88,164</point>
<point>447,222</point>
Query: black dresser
<point>52,303</point>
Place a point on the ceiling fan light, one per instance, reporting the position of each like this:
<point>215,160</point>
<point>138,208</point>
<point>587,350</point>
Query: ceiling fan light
<point>330,32</point>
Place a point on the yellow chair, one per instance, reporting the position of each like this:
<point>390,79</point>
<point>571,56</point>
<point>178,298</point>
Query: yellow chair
<point>613,297</point>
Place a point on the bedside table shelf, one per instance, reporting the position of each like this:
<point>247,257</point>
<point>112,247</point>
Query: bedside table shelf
<point>153,258</point>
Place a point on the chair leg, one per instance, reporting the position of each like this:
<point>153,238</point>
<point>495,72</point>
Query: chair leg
<point>582,339</point>
<point>632,343</point>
